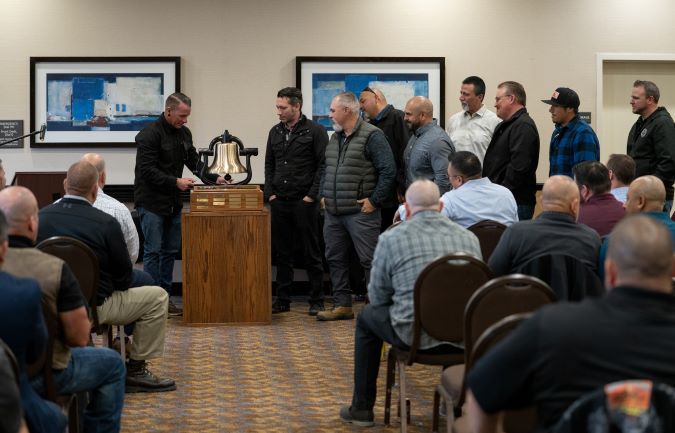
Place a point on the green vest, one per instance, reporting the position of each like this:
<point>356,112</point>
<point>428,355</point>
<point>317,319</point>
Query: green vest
<point>349,175</point>
<point>46,269</point>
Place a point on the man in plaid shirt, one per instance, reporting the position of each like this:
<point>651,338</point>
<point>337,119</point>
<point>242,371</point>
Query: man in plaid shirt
<point>399,257</point>
<point>573,140</point>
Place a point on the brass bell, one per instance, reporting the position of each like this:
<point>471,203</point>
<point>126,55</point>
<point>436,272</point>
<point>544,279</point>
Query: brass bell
<point>226,160</point>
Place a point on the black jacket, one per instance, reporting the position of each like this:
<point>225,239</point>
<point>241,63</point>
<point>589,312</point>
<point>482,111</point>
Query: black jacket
<point>161,152</point>
<point>651,143</point>
<point>101,232</point>
<point>294,160</point>
<point>391,122</point>
<point>512,157</point>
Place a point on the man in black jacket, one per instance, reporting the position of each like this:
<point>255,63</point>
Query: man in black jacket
<point>651,140</point>
<point>391,122</point>
<point>163,148</point>
<point>513,154</point>
<point>293,162</point>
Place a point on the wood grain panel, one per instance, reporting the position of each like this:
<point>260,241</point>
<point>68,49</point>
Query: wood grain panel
<point>227,269</point>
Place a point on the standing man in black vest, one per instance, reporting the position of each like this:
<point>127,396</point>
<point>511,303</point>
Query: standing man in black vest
<point>359,176</point>
<point>293,165</point>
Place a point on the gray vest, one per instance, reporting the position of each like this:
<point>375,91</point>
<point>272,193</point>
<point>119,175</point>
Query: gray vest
<point>349,175</point>
<point>46,269</point>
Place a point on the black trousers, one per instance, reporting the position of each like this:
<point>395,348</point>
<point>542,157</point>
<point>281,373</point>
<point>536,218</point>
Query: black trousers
<point>295,224</point>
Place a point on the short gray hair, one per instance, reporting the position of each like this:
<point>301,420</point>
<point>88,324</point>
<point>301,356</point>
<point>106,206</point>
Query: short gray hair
<point>349,101</point>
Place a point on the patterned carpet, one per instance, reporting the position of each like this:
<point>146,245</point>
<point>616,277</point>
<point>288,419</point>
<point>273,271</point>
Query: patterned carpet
<point>291,376</point>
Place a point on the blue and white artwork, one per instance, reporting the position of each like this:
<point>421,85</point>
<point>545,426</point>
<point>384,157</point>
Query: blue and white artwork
<point>397,87</point>
<point>103,102</point>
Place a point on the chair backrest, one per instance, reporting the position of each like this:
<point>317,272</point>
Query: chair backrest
<point>488,233</point>
<point>570,278</point>
<point>441,292</point>
<point>517,421</point>
<point>12,360</point>
<point>82,261</point>
<point>43,365</point>
<point>636,406</point>
<point>499,298</point>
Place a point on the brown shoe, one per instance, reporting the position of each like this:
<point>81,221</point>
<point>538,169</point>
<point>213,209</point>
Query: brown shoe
<point>337,313</point>
<point>175,310</point>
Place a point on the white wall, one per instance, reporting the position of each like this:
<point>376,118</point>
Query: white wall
<point>238,53</point>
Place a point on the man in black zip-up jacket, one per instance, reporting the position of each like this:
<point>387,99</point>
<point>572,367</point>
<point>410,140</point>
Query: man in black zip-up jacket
<point>294,161</point>
<point>651,140</point>
<point>163,148</point>
<point>512,156</point>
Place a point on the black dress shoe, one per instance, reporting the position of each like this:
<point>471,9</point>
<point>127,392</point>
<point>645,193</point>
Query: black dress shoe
<point>315,307</point>
<point>280,307</point>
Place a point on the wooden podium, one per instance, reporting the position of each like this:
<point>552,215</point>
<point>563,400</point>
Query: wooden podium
<point>227,267</point>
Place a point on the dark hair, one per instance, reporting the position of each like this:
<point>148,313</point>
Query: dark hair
<point>478,84</point>
<point>516,89</point>
<point>465,163</point>
<point>594,175</point>
<point>175,99</point>
<point>3,227</point>
<point>293,94</point>
<point>651,89</point>
<point>623,167</point>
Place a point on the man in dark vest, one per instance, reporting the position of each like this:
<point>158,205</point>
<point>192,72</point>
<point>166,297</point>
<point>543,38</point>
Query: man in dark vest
<point>359,176</point>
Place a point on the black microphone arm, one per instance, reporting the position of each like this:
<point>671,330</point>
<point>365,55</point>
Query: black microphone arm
<point>40,131</point>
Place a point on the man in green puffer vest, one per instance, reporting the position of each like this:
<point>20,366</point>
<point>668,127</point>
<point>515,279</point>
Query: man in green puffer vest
<point>359,176</point>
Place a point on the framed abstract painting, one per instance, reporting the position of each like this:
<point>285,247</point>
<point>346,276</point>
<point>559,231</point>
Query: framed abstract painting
<point>399,78</point>
<point>98,101</point>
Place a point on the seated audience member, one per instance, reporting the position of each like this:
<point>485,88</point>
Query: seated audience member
<point>22,328</point>
<point>600,210</point>
<point>647,195</point>
<point>555,231</point>
<point>122,214</point>
<point>567,350</point>
<point>621,174</point>
<point>474,198</point>
<point>11,412</point>
<point>97,370</point>
<point>118,303</point>
<point>400,256</point>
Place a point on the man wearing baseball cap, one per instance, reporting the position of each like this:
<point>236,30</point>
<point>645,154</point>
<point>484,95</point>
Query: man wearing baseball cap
<point>573,140</point>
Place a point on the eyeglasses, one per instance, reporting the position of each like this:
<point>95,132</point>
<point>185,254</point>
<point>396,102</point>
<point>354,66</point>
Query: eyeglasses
<point>499,98</point>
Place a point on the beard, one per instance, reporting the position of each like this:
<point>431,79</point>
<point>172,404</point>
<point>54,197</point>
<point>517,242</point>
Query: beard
<point>336,126</point>
<point>465,106</point>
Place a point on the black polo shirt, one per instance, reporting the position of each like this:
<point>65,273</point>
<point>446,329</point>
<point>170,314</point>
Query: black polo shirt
<point>567,350</point>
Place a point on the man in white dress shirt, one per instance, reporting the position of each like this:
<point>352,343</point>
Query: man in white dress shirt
<point>471,129</point>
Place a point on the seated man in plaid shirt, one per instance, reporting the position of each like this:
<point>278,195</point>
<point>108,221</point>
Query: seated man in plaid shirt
<point>573,140</point>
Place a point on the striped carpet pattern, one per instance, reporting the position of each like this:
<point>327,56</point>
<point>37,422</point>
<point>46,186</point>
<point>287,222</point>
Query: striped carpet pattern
<point>291,376</point>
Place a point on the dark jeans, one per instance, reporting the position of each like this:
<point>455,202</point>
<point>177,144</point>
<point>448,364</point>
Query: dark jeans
<point>341,231</point>
<point>525,212</point>
<point>373,326</point>
<point>162,240</point>
<point>295,222</point>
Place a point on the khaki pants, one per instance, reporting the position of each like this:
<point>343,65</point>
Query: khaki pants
<point>148,307</point>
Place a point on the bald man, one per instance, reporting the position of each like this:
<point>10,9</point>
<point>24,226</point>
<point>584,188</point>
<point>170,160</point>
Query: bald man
<point>555,231</point>
<point>389,315</point>
<point>567,350</point>
<point>647,195</point>
<point>391,121</point>
<point>118,303</point>
<point>77,367</point>
<point>427,152</point>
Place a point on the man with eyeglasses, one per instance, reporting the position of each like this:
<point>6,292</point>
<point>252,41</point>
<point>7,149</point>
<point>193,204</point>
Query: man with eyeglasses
<point>513,154</point>
<point>390,120</point>
<point>471,129</point>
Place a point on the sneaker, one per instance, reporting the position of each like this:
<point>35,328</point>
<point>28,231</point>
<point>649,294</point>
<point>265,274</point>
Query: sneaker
<point>315,308</point>
<point>362,418</point>
<point>337,313</point>
<point>140,379</point>
<point>174,310</point>
<point>280,307</point>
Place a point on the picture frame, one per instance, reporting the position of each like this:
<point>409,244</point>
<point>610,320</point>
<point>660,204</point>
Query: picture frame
<point>399,78</point>
<point>98,101</point>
